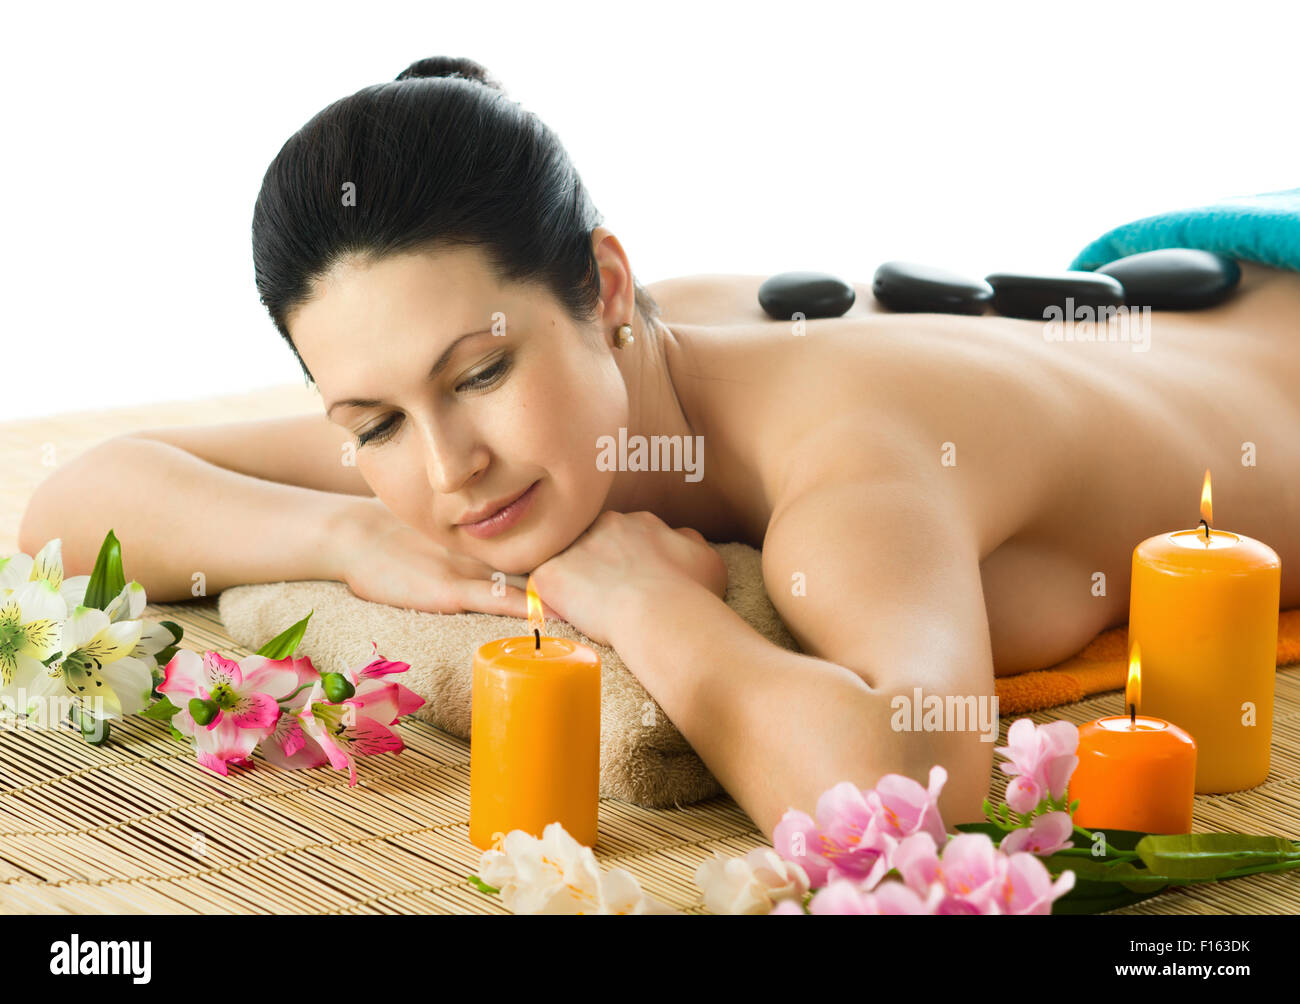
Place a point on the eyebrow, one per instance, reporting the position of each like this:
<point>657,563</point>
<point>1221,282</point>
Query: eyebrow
<point>442,363</point>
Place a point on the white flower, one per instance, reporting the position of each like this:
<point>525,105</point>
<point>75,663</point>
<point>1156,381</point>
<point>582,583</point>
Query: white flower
<point>558,875</point>
<point>31,620</point>
<point>14,571</point>
<point>19,568</point>
<point>107,654</point>
<point>97,666</point>
<point>128,605</point>
<point>751,884</point>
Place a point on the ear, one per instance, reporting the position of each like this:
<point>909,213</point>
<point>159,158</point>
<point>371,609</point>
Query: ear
<point>617,291</point>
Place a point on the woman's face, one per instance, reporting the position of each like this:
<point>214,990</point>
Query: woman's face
<point>519,397</point>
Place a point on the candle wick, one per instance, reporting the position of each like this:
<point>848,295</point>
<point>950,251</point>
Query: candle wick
<point>1132,715</point>
<point>1207,528</point>
<point>537,636</point>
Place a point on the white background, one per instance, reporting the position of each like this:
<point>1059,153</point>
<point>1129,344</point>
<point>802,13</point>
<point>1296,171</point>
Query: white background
<point>742,138</point>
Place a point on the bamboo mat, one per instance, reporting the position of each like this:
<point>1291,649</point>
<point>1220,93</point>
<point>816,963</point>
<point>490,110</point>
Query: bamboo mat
<point>137,827</point>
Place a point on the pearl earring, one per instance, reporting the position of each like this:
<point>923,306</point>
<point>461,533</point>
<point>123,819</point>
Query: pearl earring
<point>623,336</point>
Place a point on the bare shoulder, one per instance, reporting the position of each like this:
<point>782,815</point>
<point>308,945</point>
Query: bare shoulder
<point>880,573</point>
<point>305,450</point>
<point>729,299</point>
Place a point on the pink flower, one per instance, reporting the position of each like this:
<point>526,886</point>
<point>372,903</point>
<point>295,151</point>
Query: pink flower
<point>917,860</point>
<point>384,700</point>
<point>378,666</point>
<point>975,877</point>
<point>319,733</point>
<point>243,693</point>
<point>1044,754</point>
<point>889,898</point>
<point>1027,886</point>
<point>842,843</point>
<point>1047,834</point>
<point>1023,794</point>
<point>901,807</point>
<point>289,747</point>
<point>856,831</point>
<point>971,871</point>
<point>301,667</point>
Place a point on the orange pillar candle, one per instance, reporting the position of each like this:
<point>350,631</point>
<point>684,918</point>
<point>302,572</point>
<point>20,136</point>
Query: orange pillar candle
<point>1135,772</point>
<point>1203,607</point>
<point>534,736</point>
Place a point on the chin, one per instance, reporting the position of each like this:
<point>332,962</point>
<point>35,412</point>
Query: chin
<point>532,547</point>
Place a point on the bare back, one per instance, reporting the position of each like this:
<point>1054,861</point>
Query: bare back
<point>1065,453</point>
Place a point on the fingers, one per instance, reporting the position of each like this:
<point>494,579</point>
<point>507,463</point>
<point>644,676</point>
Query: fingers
<point>469,567</point>
<point>481,596</point>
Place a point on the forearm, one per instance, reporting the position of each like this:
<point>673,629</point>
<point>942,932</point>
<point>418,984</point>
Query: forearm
<point>186,527</point>
<point>777,728</point>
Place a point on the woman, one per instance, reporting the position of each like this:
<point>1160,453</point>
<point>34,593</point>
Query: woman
<point>935,496</point>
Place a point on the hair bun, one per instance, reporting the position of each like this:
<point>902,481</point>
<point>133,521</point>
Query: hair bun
<point>450,66</point>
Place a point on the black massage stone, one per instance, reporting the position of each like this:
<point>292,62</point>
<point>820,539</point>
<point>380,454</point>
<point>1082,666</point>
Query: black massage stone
<point>904,286</point>
<point>813,294</point>
<point>1029,296</point>
<point>1175,278</point>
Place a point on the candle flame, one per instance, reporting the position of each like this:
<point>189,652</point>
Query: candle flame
<point>1207,512</point>
<point>535,619</point>
<point>1133,687</point>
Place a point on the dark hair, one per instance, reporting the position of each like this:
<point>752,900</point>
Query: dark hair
<point>439,157</point>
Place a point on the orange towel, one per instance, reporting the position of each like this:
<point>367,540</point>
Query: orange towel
<point>1103,665</point>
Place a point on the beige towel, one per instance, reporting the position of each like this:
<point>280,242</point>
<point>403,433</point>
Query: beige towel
<point>643,758</point>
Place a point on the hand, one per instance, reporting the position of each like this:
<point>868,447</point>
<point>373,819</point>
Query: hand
<point>621,559</point>
<point>385,561</point>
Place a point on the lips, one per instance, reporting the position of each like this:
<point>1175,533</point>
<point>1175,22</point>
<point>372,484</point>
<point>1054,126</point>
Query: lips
<point>500,516</point>
<point>488,510</point>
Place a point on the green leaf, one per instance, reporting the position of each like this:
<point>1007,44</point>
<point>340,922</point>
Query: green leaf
<point>1123,873</point>
<point>161,710</point>
<point>480,885</point>
<point>165,656</point>
<point>177,733</point>
<point>106,579</point>
<point>1116,840</point>
<point>1097,897</point>
<point>1199,856</point>
<point>283,645</point>
<point>994,830</point>
<point>176,630</point>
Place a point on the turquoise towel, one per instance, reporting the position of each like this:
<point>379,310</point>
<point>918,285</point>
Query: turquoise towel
<point>1263,228</point>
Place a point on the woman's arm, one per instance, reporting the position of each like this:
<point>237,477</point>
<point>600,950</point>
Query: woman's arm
<point>891,601</point>
<point>187,527</point>
<point>309,451</point>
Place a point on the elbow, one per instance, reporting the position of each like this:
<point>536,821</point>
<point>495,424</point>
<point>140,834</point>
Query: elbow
<point>32,527</point>
<point>962,744</point>
<point>968,760</point>
<point>25,531</point>
<point>58,507</point>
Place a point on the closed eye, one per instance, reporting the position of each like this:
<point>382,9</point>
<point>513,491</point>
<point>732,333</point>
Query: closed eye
<point>487,377</point>
<point>479,381</point>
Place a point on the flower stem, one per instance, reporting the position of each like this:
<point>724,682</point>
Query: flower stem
<point>290,697</point>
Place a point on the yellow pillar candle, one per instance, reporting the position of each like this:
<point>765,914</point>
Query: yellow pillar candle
<point>534,736</point>
<point>1203,608</point>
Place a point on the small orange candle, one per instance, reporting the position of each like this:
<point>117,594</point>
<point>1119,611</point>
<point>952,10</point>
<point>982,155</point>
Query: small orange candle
<point>1203,607</point>
<point>534,736</point>
<point>1135,772</point>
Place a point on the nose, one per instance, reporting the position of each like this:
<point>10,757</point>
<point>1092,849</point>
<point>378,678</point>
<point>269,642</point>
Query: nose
<point>451,460</point>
